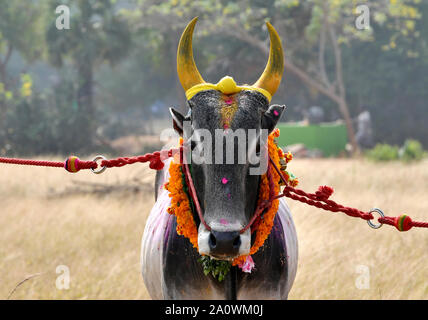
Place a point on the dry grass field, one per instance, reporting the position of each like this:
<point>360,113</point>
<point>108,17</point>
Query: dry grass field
<point>98,237</point>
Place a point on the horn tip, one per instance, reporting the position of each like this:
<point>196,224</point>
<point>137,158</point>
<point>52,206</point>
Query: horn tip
<point>271,28</point>
<point>194,20</point>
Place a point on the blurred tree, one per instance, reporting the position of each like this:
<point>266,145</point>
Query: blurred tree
<point>383,68</point>
<point>97,33</point>
<point>389,78</point>
<point>142,81</point>
<point>315,32</point>
<point>21,31</point>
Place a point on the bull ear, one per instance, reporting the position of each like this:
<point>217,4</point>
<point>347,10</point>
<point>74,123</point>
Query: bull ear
<point>177,121</point>
<point>271,117</point>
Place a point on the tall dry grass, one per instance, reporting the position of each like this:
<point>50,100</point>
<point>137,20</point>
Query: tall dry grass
<point>98,238</point>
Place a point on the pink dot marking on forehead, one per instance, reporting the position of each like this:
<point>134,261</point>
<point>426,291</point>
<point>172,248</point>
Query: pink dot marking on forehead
<point>224,222</point>
<point>228,100</point>
<point>224,180</point>
<point>275,113</point>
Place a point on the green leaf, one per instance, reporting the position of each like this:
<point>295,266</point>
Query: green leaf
<point>218,268</point>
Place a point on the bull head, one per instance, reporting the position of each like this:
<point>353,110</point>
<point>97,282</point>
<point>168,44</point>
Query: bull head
<point>227,192</point>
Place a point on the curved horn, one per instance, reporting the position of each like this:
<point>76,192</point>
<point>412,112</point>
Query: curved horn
<point>271,76</point>
<point>186,68</point>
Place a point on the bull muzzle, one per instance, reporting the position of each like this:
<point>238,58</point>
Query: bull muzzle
<point>223,244</point>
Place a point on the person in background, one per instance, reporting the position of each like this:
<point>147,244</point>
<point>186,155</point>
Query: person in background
<point>364,135</point>
<point>315,115</point>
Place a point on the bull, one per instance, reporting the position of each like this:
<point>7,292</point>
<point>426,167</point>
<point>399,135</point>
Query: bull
<point>170,265</point>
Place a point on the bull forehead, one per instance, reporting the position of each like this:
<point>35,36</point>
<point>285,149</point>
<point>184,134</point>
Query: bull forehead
<point>226,190</point>
<point>214,110</point>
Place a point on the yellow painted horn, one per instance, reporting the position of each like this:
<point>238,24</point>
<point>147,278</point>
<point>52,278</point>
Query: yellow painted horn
<point>186,68</point>
<point>271,76</point>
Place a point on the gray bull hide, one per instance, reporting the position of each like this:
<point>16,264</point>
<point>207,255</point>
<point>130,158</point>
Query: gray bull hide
<point>169,261</point>
<point>227,191</point>
<point>171,271</point>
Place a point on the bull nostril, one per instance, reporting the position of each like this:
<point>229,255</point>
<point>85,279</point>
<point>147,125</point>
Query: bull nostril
<point>237,242</point>
<point>224,243</point>
<point>212,241</point>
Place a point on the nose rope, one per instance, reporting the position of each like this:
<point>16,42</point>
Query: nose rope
<point>263,204</point>
<point>192,191</point>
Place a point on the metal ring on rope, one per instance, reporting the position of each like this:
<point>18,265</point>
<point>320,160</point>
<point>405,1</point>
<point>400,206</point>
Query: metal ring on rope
<point>376,226</point>
<point>102,169</point>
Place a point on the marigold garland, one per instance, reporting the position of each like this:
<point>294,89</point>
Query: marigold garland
<point>180,204</point>
<point>181,208</point>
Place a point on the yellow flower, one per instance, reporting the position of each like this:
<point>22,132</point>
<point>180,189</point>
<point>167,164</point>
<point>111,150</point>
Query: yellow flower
<point>27,84</point>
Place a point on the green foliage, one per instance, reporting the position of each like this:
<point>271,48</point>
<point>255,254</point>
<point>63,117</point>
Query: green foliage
<point>39,123</point>
<point>21,27</point>
<point>218,268</point>
<point>122,53</point>
<point>383,152</point>
<point>97,33</point>
<point>412,150</point>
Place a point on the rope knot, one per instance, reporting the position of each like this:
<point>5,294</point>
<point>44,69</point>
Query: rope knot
<point>324,192</point>
<point>155,162</point>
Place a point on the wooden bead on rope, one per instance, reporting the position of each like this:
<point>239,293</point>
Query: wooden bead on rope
<point>403,222</point>
<point>72,164</point>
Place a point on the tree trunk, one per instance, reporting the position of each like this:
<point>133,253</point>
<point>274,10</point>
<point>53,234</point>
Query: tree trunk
<point>3,76</point>
<point>3,64</point>
<point>181,98</point>
<point>343,107</point>
<point>306,78</point>
<point>85,124</point>
<point>4,80</point>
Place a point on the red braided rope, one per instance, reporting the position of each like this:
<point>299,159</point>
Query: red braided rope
<point>318,199</point>
<point>192,191</point>
<point>26,162</point>
<point>154,158</point>
<point>313,200</point>
<point>264,204</point>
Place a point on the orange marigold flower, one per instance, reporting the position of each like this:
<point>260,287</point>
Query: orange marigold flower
<point>180,204</point>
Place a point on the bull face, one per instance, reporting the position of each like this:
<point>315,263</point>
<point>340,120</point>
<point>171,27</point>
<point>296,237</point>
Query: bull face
<point>227,127</point>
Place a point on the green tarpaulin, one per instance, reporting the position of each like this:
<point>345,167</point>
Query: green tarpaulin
<point>330,138</point>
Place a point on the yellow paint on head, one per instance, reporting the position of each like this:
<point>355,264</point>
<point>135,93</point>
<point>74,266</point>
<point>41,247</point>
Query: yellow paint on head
<point>226,86</point>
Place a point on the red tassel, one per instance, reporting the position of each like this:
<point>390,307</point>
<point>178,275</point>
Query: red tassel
<point>324,192</point>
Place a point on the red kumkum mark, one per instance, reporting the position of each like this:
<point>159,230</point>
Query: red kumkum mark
<point>228,101</point>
